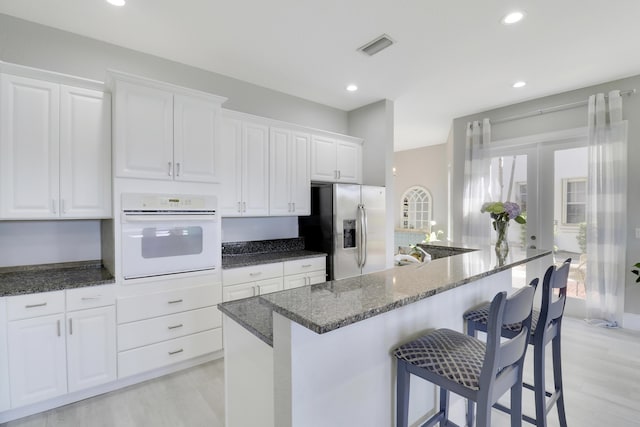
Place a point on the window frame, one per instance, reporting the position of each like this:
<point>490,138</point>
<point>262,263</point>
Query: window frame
<point>565,200</point>
<point>405,224</point>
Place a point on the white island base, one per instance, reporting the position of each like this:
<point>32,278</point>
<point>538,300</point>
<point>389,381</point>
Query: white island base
<point>345,377</point>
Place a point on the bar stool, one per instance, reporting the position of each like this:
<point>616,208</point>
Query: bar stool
<point>545,327</point>
<point>467,366</point>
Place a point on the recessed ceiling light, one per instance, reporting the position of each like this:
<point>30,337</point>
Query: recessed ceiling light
<point>519,84</point>
<point>512,18</point>
<point>352,88</point>
<point>116,2</point>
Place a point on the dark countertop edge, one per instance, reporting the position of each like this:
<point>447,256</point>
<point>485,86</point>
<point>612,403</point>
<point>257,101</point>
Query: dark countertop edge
<point>62,287</point>
<point>44,269</point>
<point>322,329</point>
<point>251,258</point>
<point>267,340</point>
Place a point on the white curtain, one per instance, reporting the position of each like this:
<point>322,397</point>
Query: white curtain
<point>476,225</point>
<point>606,209</point>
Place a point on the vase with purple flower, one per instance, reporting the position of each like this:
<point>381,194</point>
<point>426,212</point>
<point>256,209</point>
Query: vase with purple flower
<point>502,213</point>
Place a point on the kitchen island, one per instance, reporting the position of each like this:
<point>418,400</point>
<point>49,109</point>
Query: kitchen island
<point>321,355</point>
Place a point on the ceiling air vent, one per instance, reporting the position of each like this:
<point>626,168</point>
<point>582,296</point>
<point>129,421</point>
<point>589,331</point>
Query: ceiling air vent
<point>376,45</point>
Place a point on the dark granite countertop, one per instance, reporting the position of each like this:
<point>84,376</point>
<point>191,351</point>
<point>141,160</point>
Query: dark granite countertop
<point>245,260</point>
<point>331,305</point>
<point>32,279</point>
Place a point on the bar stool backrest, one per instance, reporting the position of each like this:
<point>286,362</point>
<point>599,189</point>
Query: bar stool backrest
<point>503,358</point>
<point>552,309</point>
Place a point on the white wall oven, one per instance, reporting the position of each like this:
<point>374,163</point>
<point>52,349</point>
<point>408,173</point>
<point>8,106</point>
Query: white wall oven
<point>168,234</point>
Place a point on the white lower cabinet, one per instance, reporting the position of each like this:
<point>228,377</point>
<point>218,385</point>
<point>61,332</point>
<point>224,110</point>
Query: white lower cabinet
<point>5,401</point>
<point>304,272</point>
<point>37,357</point>
<point>52,352</point>
<point>91,347</point>
<point>242,282</point>
<point>162,328</point>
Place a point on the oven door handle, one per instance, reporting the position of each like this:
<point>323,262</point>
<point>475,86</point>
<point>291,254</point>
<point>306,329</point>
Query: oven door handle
<point>162,218</point>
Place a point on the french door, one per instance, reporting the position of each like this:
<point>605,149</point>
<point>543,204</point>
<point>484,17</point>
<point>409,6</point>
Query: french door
<point>547,175</point>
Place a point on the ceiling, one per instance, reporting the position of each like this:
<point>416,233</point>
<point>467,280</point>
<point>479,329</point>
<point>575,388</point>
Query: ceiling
<point>451,57</point>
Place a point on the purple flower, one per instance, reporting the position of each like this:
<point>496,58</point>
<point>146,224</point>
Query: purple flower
<point>511,209</point>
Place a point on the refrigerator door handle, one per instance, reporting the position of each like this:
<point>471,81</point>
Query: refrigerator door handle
<point>364,235</point>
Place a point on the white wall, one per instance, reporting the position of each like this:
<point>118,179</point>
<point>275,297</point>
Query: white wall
<point>45,242</point>
<point>427,167</point>
<point>567,119</point>
<point>244,229</point>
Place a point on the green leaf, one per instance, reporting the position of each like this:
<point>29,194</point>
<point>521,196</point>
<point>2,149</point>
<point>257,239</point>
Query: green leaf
<point>637,265</point>
<point>520,220</point>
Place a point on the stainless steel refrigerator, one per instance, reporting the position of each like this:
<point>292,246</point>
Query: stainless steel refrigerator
<point>348,223</point>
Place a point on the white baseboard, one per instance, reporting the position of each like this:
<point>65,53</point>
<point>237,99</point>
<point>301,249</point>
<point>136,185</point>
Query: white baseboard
<point>66,399</point>
<point>631,321</point>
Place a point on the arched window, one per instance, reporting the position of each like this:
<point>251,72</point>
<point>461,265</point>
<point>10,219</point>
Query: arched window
<point>416,209</point>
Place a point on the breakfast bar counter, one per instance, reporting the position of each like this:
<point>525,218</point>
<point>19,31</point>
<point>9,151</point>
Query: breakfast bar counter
<point>321,355</point>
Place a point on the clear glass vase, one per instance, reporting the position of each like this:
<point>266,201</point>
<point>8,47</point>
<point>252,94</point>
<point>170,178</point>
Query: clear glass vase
<point>502,240</point>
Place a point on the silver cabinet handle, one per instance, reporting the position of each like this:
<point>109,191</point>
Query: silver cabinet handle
<point>171,353</point>
<point>169,168</point>
<point>335,174</point>
<point>244,206</point>
<point>91,298</point>
<point>306,265</point>
<point>289,207</point>
<point>257,273</point>
<point>175,301</point>
<point>70,326</point>
<point>175,326</point>
<point>58,327</point>
<point>239,207</point>
<point>294,207</point>
<point>53,206</point>
<point>339,175</point>
<point>178,169</point>
<point>35,305</point>
<point>258,292</point>
<point>63,207</point>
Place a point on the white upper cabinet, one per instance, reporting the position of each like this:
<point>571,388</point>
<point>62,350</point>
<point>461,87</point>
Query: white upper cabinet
<point>162,131</point>
<point>85,153</point>
<point>54,150</point>
<point>143,131</point>
<point>196,146</point>
<point>335,160</point>
<point>289,181</point>
<point>244,167</point>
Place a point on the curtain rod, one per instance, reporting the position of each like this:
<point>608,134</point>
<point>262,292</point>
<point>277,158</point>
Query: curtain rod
<point>554,109</point>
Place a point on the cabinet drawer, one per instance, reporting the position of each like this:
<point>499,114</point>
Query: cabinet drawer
<point>251,274</point>
<point>90,297</point>
<point>304,265</point>
<point>145,332</point>
<point>154,356</point>
<point>34,305</point>
<point>162,303</point>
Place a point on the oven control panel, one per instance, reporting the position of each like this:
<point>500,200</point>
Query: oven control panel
<point>167,202</point>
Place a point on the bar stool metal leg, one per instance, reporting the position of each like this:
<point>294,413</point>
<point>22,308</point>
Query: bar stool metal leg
<point>557,378</point>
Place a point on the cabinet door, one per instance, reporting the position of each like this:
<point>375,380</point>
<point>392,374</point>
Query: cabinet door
<point>317,277</point>
<point>255,169</point>
<point>91,347</point>
<point>143,132</point>
<point>196,146</point>
<point>295,281</point>
<point>29,151</point>
<point>230,193</point>
<point>85,153</point>
<point>300,174</point>
<point>280,178</point>
<point>270,285</point>
<point>37,359</point>
<point>349,162</point>
<point>4,358</point>
<point>239,291</point>
<point>323,159</point>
